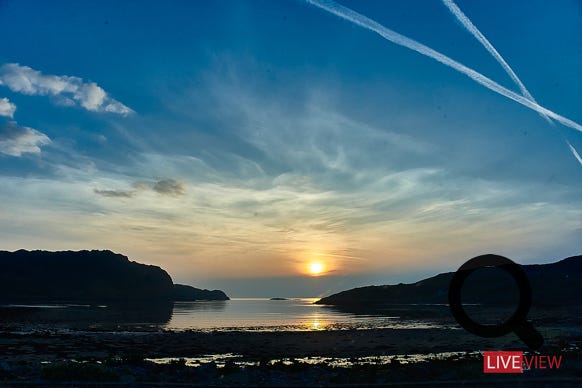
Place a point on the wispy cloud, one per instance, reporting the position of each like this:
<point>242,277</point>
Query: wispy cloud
<point>274,230</point>
<point>7,108</point>
<point>357,194</point>
<point>16,140</point>
<point>65,90</point>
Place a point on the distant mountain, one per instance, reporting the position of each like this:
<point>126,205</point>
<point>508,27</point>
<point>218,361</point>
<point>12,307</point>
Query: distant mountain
<point>557,283</point>
<point>82,276</point>
<point>188,293</point>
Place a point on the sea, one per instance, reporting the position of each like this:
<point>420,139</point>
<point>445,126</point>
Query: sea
<point>295,314</point>
<point>247,314</point>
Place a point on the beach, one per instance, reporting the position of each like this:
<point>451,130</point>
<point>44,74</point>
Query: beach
<point>248,357</point>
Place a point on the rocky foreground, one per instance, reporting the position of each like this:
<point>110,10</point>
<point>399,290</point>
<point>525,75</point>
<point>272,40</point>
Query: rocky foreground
<point>246,358</point>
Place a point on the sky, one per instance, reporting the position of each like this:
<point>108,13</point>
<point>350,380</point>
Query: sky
<point>235,143</point>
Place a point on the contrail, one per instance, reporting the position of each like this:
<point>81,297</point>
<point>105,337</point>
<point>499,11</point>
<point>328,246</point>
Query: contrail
<point>394,37</point>
<point>473,30</point>
<point>574,152</point>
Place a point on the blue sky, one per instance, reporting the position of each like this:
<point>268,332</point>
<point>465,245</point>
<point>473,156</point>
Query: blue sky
<point>247,139</point>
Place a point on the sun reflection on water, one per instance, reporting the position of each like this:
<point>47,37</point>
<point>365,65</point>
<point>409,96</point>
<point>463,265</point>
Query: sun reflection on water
<point>316,323</point>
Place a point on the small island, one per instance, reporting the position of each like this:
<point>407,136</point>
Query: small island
<point>183,293</point>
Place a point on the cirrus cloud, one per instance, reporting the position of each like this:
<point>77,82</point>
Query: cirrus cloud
<point>65,90</point>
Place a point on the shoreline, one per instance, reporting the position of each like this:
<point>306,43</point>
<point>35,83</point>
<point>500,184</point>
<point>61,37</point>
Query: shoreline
<point>246,358</point>
<point>47,345</point>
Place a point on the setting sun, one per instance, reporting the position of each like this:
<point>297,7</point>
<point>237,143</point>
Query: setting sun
<point>315,268</point>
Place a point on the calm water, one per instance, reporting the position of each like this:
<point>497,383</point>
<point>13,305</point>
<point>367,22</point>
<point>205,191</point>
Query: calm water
<point>265,314</point>
<point>238,313</point>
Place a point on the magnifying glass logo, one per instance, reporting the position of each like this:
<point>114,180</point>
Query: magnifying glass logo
<point>517,323</point>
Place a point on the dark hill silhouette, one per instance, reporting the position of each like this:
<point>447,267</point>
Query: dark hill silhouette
<point>82,276</point>
<point>554,284</point>
<point>189,293</point>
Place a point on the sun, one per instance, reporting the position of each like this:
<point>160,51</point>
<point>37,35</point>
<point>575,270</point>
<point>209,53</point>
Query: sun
<point>315,268</point>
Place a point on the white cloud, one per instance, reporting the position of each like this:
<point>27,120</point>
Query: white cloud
<point>6,107</point>
<point>65,90</point>
<point>15,140</point>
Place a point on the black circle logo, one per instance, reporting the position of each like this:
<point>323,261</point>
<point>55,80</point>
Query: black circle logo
<point>517,322</point>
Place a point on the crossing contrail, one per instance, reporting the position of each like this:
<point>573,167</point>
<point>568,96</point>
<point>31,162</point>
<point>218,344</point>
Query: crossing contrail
<point>477,34</point>
<point>394,37</point>
<point>473,30</point>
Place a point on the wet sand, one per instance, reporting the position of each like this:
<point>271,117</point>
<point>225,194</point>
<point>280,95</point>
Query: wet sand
<point>47,345</point>
<point>24,356</point>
